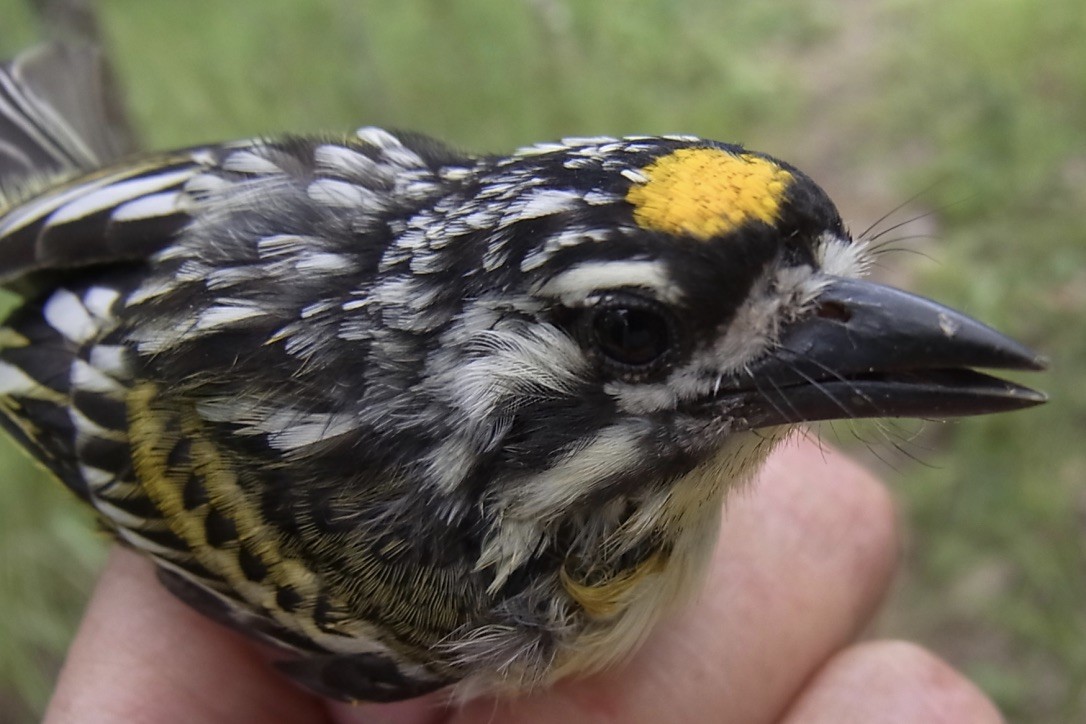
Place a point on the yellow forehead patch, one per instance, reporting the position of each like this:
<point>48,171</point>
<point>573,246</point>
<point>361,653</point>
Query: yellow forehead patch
<point>707,192</point>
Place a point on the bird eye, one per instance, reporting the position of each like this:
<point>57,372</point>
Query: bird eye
<point>632,336</point>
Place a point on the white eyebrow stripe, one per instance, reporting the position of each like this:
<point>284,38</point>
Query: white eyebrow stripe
<point>578,283</point>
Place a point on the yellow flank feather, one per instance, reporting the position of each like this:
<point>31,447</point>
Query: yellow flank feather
<point>155,431</point>
<point>10,339</point>
<point>611,597</point>
<point>708,192</point>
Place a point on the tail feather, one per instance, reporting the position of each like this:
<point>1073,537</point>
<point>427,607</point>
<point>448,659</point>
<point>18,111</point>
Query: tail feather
<point>59,115</point>
<point>61,118</point>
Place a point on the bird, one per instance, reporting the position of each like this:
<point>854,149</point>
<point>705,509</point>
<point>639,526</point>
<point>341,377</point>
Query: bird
<point>426,419</point>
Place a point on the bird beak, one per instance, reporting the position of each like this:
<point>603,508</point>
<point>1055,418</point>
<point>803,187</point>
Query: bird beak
<point>870,350</point>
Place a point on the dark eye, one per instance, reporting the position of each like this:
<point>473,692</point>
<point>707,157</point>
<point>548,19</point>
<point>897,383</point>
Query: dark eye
<point>631,336</point>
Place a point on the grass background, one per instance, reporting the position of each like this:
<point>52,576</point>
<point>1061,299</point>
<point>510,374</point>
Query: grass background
<point>978,108</point>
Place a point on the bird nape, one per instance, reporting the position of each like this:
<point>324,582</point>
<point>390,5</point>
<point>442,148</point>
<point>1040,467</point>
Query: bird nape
<point>426,419</point>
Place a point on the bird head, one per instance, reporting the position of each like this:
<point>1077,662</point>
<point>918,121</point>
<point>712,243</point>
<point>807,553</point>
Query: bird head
<point>613,311</point>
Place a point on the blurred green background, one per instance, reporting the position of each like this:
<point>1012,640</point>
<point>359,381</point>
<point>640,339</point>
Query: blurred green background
<point>975,110</point>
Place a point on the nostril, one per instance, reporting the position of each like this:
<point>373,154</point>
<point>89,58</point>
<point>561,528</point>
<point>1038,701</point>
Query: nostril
<point>834,310</point>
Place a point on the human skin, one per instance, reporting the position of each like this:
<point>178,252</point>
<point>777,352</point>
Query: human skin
<point>806,554</point>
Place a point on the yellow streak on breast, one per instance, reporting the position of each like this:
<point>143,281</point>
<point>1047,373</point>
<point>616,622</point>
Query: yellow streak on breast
<point>155,428</point>
<point>623,611</point>
<point>605,599</point>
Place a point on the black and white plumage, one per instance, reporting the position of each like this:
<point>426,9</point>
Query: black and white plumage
<point>426,418</point>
